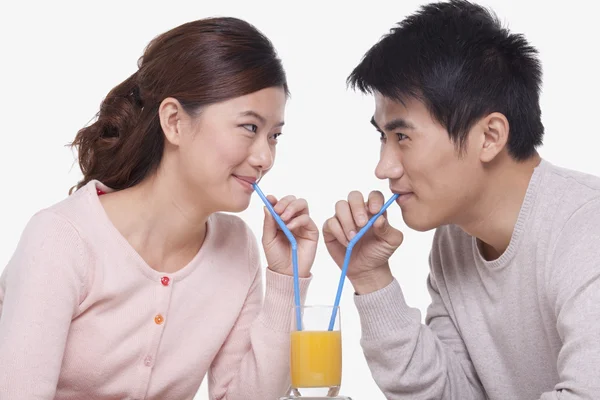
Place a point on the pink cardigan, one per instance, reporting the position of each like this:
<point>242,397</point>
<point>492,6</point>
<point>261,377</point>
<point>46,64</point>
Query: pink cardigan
<point>82,316</point>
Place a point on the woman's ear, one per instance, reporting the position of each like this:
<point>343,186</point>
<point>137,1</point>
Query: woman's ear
<point>170,112</point>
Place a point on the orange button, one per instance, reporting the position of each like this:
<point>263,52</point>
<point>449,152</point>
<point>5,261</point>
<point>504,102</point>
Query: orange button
<point>159,319</point>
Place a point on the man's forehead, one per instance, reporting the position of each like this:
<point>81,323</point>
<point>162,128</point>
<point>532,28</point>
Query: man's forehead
<point>386,102</point>
<point>391,114</point>
<point>387,108</point>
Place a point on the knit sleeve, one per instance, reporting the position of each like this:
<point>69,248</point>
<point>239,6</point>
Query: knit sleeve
<point>41,289</point>
<point>574,291</point>
<point>254,360</point>
<point>409,359</point>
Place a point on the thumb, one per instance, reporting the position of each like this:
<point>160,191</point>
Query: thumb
<point>383,230</point>
<point>269,227</point>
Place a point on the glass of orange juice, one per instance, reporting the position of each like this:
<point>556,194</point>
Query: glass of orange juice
<point>316,353</point>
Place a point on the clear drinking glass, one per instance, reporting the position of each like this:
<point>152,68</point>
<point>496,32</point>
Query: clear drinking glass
<point>316,353</point>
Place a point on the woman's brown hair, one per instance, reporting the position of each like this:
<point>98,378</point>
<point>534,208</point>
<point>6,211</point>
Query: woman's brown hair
<point>198,63</point>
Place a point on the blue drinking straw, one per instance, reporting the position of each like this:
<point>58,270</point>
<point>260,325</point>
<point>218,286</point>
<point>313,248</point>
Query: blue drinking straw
<point>349,252</point>
<point>294,245</point>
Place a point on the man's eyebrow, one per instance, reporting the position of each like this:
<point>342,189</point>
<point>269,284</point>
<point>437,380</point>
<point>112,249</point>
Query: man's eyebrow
<point>374,123</point>
<point>398,123</point>
<point>393,124</point>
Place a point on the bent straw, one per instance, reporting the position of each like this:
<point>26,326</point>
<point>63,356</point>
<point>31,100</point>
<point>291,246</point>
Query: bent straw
<point>349,252</point>
<point>294,245</point>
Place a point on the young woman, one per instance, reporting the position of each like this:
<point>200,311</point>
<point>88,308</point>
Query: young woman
<point>138,285</point>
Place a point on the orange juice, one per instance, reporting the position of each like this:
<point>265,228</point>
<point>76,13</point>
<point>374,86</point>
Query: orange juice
<point>316,359</point>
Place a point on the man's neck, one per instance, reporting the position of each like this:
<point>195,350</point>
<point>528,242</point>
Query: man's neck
<point>492,220</point>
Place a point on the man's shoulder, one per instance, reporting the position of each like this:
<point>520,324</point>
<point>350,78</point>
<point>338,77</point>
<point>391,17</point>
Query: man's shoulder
<point>568,198</point>
<point>578,179</point>
<point>575,188</point>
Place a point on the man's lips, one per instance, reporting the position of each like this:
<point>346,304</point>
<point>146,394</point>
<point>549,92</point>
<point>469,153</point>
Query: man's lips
<point>400,191</point>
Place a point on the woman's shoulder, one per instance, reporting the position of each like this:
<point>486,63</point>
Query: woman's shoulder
<point>73,208</point>
<point>64,214</point>
<point>66,221</point>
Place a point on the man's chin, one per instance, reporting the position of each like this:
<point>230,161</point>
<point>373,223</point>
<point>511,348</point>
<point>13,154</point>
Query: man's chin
<point>419,223</point>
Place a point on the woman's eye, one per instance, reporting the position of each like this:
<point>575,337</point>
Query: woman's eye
<point>275,136</point>
<point>250,127</point>
<point>401,136</point>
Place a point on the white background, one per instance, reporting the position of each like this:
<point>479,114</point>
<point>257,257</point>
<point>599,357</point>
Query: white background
<point>59,60</point>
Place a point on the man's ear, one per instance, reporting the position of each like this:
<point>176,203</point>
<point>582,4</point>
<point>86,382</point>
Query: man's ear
<point>494,130</point>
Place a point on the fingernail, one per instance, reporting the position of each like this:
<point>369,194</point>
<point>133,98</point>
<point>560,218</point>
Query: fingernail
<point>285,215</point>
<point>352,234</point>
<point>362,219</point>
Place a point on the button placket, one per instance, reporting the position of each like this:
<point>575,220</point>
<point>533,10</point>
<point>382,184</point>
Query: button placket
<point>163,290</point>
<point>148,361</point>
<point>159,318</point>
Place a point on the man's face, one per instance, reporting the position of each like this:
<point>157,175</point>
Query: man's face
<point>437,183</point>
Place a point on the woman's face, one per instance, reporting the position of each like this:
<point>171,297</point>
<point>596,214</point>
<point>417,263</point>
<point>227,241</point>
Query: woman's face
<point>217,154</point>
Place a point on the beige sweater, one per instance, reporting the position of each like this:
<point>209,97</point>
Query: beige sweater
<point>525,326</point>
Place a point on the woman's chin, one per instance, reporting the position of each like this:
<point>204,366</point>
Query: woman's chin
<point>236,206</point>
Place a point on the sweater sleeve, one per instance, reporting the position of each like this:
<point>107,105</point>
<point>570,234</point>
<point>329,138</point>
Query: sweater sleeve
<point>39,295</point>
<point>409,360</point>
<point>254,360</point>
<point>574,291</point>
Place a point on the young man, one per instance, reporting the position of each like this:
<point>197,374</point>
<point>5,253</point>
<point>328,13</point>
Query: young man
<point>515,262</point>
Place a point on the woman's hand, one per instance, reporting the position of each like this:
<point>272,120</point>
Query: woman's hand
<point>278,249</point>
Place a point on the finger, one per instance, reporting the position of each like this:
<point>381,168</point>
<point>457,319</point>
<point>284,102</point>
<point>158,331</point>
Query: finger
<point>270,227</point>
<point>282,204</point>
<point>332,231</point>
<point>385,231</point>
<point>296,207</point>
<point>375,202</point>
<point>272,199</point>
<point>301,221</point>
<point>358,208</point>
<point>344,216</point>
